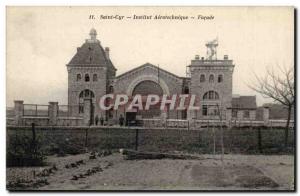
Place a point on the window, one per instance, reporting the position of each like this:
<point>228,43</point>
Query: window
<point>211,95</point>
<point>86,94</point>
<point>202,78</point>
<point>210,110</point>
<point>82,95</point>
<point>78,78</point>
<point>234,113</point>
<point>184,114</point>
<point>211,78</point>
<point>110,113</point>
<point>204,110</point>
<point>95,78</point>
<point>220,78</point>
<point>186,90</point>
<point>111,89</point>
<point>213,111</point>
<point>246,114</point>
<point>87,78</point>
<point>81,108</point>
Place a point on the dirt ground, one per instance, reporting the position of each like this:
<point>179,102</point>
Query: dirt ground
<point>113,172</point>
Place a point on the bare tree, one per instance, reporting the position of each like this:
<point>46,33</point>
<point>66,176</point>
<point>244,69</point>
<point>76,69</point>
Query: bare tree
<point>280,88</point>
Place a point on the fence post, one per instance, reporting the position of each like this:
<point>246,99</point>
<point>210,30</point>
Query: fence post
<point>266,115</point>
<point>136,139</point>
<point>18,109</point>
<point>213,128</point>
<point>36,109</point>
<point>86,138</point>
<point>53,113</point>
<point>33,139</point>
<point>259,140</point>
<point>228,116</point>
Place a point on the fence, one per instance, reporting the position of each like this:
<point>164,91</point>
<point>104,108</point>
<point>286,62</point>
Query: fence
<point>196,124</point>
<point>44,115</point>
<point>35,110</point>
<point>75,115</point>
<point>10,115</point>
<point>70,110</point>
<point>64,140</point>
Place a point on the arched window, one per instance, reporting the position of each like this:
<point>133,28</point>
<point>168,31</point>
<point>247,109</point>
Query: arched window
<point>211,78</point>
<point>83,95</point>
<point>202,78</point>
<point>95,78</point>
<point>87,77</point>
<point>220,78</point>
<point>211,95</point>
<point>86,94</point>
<point>78,78</point>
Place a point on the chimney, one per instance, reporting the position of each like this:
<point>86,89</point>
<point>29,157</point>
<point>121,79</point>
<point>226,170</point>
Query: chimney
<point>107,52</point>
<point>197,57</point>
<point>225,57</point>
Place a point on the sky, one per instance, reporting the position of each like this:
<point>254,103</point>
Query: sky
<point>42,40</point>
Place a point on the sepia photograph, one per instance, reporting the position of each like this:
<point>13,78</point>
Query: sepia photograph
<point>150,98</point>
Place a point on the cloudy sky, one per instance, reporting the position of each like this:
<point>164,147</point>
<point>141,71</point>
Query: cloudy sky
<point>42,40</point>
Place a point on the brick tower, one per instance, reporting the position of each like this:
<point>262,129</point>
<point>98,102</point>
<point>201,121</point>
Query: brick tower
<point>90,75</point>
<point>211,82</point>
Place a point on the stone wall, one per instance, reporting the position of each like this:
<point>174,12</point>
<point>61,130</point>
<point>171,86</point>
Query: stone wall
<point>79,139</point>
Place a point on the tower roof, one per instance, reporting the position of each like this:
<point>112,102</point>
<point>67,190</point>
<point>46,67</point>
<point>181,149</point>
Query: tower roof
<point>91,53</point>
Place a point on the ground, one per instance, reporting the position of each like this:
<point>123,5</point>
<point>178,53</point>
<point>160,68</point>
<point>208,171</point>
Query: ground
<point>113,172</point>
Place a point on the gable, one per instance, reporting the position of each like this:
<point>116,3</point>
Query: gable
<point>148,68</point>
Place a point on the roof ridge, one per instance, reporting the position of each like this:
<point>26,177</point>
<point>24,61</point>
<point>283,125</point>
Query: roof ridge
<point>146,64</point>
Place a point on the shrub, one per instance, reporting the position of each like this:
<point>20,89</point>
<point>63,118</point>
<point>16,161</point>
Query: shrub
<point>23,151</point>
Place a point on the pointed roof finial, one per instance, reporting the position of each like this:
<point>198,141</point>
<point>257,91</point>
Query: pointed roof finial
<point>93,34</point>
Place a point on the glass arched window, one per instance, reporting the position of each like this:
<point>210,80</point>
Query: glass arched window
<point>220,78</point>
<point>202,78</point>
<point>211,78</point>
<point>211,95</point>
<point>78,78</point>
<point>87,77</point>
<point>95,78</point>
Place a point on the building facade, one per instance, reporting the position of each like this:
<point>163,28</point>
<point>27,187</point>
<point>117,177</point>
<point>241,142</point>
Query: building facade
<point>91,74</point>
